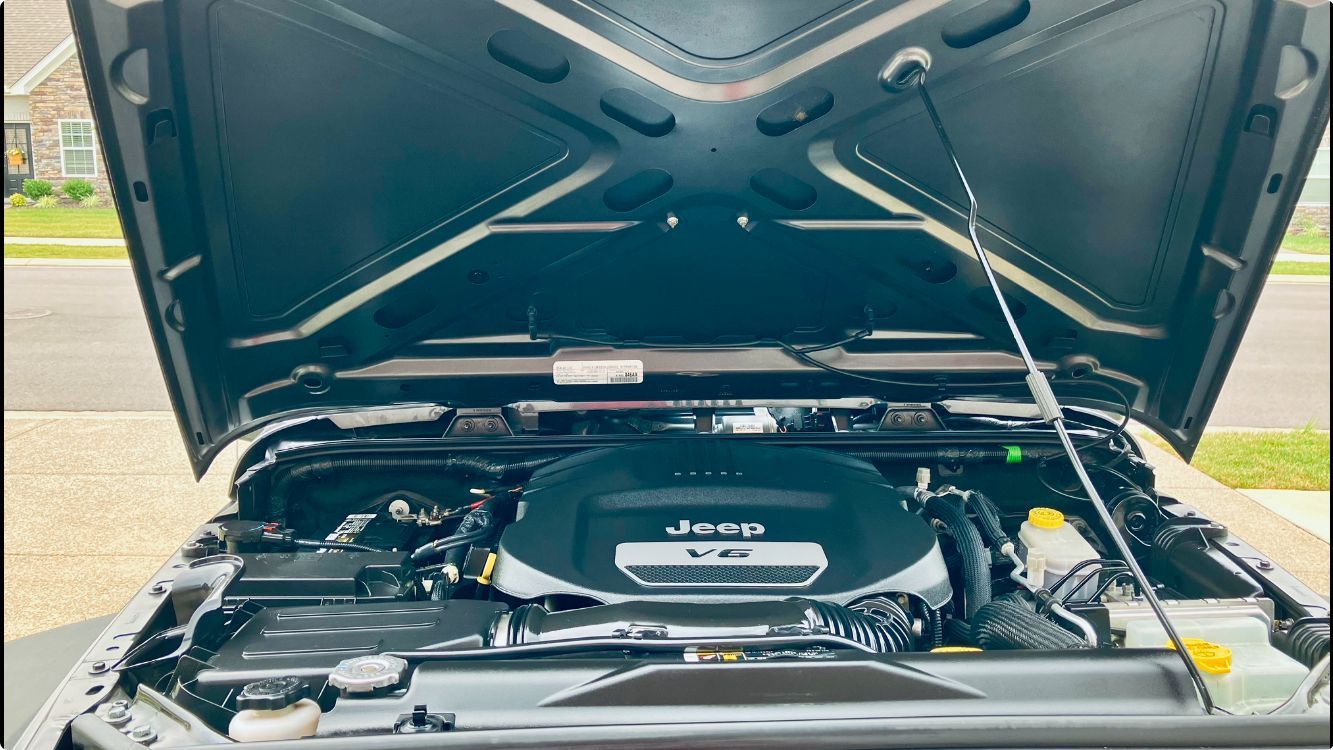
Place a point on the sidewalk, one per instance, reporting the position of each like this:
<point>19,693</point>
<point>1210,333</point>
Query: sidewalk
<point>93,504</point>
<point>1307,509</point>
<point>80,241</point>
<point>75,262</point>
<point>1302,257</point>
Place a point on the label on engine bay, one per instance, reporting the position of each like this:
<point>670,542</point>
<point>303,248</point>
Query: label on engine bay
<point>598,372</point>
<point>726,654</point>
<point>349,530</point>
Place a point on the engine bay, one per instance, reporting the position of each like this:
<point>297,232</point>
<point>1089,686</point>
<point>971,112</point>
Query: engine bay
<point>369,592</point>
<point>712,521</point>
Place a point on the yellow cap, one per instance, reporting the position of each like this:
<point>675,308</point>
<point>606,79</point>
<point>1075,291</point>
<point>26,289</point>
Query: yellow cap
<point>1209,657</point>
<point>1046,518</point>
<point>954,650</point>
<point>485,577</point>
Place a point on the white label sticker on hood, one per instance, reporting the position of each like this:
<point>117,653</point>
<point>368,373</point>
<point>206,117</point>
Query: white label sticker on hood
<point>598,372</point>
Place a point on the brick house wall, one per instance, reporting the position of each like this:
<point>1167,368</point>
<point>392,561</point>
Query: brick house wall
<point>62,96</point>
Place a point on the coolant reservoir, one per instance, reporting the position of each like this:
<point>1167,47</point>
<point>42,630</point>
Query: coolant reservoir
<point>1046,532</point>
<point>1244,672</point>
<point>274,709</point>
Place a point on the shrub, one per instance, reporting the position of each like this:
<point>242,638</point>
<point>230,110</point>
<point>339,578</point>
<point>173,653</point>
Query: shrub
<point>37,189</point>
<point>16,200</point>
<point>1303,223</point>
<point>92,201</point>
<point>46,201</point>
<point>77,189</point>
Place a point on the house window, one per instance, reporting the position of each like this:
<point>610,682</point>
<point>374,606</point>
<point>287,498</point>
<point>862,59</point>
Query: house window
<point>77,149</point>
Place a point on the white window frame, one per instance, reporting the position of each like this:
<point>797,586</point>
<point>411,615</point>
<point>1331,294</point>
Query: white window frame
<point>60,142</point>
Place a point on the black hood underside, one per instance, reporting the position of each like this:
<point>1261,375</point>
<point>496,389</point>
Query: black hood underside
<point>340,203</point>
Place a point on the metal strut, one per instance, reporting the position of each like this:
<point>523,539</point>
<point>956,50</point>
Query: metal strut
<point>1050,407</point>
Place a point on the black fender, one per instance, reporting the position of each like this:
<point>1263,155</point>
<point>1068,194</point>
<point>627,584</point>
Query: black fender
<point>36,665</point>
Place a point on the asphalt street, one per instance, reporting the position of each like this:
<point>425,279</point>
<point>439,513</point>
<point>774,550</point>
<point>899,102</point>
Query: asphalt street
<point>75,340</point>
<point>1281,374</point>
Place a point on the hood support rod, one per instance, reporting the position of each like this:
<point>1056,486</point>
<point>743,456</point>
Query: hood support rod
<point>1049,406</point>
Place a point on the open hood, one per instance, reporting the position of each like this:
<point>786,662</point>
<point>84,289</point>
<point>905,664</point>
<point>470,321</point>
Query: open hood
<point>341,203</point>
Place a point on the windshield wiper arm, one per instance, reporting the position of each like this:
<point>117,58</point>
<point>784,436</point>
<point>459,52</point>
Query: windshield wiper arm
<point>1045,396</point>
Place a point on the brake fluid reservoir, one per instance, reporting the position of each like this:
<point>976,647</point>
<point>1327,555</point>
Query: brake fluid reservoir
<point>1046,532</point>
<point>1244,672</point>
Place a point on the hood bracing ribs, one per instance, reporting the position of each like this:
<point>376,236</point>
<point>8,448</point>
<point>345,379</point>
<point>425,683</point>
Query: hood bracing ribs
<point>1044,396</point>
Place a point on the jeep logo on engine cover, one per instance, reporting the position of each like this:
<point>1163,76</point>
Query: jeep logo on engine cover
<point>746,530</point>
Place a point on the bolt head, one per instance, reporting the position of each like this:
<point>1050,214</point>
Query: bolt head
<point>117,713</point>
<point>673,222</point>
<point>742,221</point>
<point>142,733</point>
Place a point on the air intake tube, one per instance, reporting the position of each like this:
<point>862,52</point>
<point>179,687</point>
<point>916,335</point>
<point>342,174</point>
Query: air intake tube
<point>877,624</point>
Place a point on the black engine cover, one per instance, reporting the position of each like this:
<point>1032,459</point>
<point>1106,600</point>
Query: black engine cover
<point>716,520</point>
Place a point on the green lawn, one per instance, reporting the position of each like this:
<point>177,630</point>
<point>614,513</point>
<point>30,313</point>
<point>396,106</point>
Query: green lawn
<point>62,222</point>
<point>77,252</point>
<point>1288,267</point>
<point>1270,460</point>
<point>1310,244</point>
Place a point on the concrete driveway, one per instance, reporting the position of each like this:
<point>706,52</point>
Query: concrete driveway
<point>93,505</point>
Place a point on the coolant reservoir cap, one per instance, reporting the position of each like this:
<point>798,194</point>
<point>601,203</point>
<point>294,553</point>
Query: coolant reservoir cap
<point>1046,518</point>
<point>272,694</point>
<point>1210,657</point>
<point>368,674</point>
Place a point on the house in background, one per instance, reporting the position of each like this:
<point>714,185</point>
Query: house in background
<point>49,129</point>
<point>1314,194</point>
<point>50,134</point>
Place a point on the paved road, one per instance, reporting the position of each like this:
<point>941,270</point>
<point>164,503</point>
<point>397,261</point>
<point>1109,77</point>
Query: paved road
<point>92,353</point>
<point>1281,375</point>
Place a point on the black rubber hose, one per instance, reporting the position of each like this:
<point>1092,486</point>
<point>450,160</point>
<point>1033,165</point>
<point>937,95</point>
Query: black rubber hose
<point>1011,622</point>
<point>440,546</point>
<point>474,527</point>
<point>440,590</point>
<point>988,519</point>
<point>335,545</point>
<point>958,631</point>
<point>976,563</point>
<point>1306,641</point>
<point>478,520</point>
